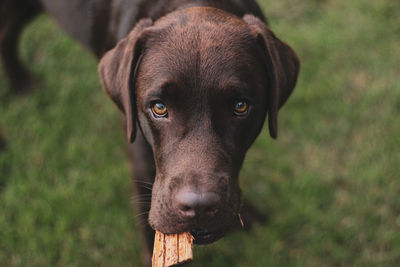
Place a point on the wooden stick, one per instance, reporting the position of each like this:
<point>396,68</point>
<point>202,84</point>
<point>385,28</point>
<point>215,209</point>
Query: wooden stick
<point>172,249</point>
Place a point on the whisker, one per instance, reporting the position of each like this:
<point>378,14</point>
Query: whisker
<point>241,221</point>
<point>147,187</point>
<point>142,195</point>
<point>141,198</point>
<point>141,214</point>
<point>141,221</point>
<point>142,181</point>
<point>142,202</point>
<point>134,198</point>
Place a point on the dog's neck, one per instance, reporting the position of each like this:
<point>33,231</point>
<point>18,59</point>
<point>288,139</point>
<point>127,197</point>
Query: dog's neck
<point>157,8</point>
<point>130,12</point>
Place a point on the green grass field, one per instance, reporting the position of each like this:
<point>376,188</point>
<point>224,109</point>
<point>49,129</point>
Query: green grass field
<point>330,184</point>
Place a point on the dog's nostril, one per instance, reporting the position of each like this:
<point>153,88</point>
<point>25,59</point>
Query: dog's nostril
<point>187,211</point>
<point>191,204</point>
<point>185,208</point>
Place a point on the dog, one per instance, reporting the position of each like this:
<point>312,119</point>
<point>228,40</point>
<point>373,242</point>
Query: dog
<point>194,80</point>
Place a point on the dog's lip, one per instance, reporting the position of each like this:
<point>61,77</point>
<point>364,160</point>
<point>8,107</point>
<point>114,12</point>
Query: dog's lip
<point>203,236</point>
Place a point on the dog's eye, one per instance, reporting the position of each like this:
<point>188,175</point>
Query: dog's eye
<point>159,109</point>
<point>241,108</point>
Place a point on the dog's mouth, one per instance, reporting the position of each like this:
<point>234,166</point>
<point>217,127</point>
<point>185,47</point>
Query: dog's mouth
<point>203,236</point>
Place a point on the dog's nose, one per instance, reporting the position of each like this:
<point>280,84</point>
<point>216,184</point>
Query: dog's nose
<point>191,204</point>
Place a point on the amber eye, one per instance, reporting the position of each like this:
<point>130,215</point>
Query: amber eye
<point>159,109</point>
<point>241,108</point>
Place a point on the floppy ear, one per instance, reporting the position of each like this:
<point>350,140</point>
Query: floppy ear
<point>117,71</point>
<point>282,66</point>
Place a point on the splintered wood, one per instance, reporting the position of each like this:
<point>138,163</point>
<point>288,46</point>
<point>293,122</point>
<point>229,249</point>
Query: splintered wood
<point>173,249</point>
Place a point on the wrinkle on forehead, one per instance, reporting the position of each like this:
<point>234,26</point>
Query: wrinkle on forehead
<point>202,55</point>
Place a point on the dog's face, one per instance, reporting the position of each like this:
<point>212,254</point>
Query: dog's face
<point>199,82</point>
<point>201,102</point>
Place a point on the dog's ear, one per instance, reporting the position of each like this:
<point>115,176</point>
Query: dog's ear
<point>117,70</point>
<point>282,66</point>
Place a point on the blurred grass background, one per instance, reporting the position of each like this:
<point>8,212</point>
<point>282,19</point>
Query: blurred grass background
<point>330,184</point>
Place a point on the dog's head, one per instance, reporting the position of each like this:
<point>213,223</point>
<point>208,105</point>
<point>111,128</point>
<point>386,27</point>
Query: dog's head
<point>199,83</point>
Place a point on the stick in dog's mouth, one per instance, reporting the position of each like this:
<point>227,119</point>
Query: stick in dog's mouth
<point>172,249</point>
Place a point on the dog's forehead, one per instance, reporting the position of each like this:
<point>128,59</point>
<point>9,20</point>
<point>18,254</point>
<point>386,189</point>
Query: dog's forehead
<point>202,24</point>
<point>199,15</point>
<point>202,45</point>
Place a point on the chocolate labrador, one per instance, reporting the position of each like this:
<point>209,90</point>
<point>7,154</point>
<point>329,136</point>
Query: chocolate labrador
<point>194,79</point>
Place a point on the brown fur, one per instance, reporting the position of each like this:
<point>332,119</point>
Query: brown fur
<point>198,61</point>
<point>198,57</point>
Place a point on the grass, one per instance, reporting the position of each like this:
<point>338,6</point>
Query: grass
<point>330,183</point>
